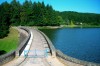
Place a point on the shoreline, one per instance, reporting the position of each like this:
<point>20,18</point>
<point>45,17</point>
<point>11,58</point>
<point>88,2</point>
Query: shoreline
<point>66,26</point>
<point>68,60</point>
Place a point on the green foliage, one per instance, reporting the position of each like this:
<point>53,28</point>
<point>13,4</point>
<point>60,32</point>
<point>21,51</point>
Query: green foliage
<point>85,18</point>
<point>4,19</point>
<point>15,12</point>
<point>2,52</point>
<point>60,20</point>
<point>31,14</point>
<point>10,42</point>
<point>26,14</point>
<point>39,14</point>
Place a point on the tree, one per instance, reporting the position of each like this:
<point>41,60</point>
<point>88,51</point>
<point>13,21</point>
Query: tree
<point>4,19</point>
<point>26,13</point>
<point>15,12</point>
<point>60,20</point>
<point>86,18</point>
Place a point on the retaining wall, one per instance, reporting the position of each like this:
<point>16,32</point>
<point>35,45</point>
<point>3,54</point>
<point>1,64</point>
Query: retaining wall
<point>74,60</point>
<point>11,55</point>
<point>51,47</point>
<point>24,43</point>
<point>7,57</point>
<point>22,35</point>
<point>59,54</point>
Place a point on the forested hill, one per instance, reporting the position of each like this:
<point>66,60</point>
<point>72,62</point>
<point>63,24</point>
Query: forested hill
<point>39,14</point>
<point>26,14</point>
<point>77,18</point>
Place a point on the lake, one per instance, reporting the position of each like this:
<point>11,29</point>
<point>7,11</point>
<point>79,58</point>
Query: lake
<point>80,43</point>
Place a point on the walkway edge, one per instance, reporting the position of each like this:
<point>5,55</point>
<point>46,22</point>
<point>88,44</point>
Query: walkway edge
<point>52,48</point>
<point>28,45</point>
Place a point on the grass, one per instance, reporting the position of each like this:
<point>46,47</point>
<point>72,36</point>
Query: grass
<point>10,42</point>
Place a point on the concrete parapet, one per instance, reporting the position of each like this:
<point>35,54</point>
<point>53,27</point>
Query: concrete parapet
<point>63,58</point>
<point>11,55</point>
<point>74,60</point>
<point>7,57</point>
<point>51,47</point>
<point>24,43</point>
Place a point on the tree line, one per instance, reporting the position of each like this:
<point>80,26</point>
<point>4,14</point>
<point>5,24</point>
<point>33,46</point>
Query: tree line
<point>77,18</point>
<point>26,14</point>
<point>38,14</point>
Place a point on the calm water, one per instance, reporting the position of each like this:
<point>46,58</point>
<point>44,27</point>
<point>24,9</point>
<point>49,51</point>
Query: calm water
<point>79,43</point>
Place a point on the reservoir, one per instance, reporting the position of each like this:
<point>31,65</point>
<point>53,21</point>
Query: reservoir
<point>80,43</point>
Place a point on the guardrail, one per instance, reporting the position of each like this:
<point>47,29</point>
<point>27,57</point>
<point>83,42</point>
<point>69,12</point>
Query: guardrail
<point>11,55</point>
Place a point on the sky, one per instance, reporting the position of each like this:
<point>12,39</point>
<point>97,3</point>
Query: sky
<point>85,6</point>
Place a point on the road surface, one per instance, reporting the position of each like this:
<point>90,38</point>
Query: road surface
<point>37,54</point>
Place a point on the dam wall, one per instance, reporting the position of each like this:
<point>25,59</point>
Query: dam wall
<point>15,53</point>
<point>64,58</point>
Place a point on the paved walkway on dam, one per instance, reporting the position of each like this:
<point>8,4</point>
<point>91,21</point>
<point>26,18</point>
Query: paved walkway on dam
<point>37,55</point>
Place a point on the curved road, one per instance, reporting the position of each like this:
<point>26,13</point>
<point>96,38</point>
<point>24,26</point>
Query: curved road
<point>37,55</point>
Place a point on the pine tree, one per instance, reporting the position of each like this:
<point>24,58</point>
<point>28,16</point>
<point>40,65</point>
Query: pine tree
<point>15,12</point>
<point>4,19</point>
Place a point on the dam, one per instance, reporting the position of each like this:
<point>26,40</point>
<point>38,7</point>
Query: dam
<point>80,43</point>
<point>39,50</point>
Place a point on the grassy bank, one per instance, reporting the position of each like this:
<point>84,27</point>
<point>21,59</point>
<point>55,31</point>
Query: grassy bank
<point>10,42</point>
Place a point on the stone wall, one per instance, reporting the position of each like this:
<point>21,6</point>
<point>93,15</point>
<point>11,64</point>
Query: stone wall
<point>51,47</point>
<point>7,57</point>
<point>74,60</point>
<point>22,35</point>
<point>64,58</point>
<point>24,42</point>
<point>11,55</point>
